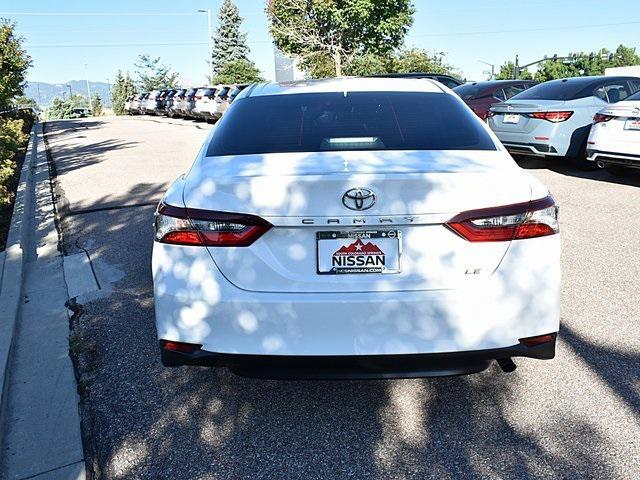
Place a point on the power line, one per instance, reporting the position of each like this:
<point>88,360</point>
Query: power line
<point>97,14</point>
<point>520,30</point>
<point>138,44</point>
<point>449,34</point>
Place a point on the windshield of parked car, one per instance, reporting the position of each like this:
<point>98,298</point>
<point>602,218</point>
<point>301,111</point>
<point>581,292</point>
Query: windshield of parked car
<point>553,90</point>
<point>311,122</point>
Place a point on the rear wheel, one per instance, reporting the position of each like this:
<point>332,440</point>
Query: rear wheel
<point>581,162</point>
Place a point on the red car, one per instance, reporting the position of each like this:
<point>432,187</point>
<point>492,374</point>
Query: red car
<point>481,95</point>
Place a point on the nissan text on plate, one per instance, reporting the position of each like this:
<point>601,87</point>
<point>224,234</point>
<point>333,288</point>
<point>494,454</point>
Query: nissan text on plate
<point>355,228</point>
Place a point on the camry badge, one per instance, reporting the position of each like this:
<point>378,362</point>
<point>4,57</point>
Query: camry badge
<point>359,199</point>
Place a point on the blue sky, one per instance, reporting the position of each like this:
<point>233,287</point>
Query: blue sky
<point>467,30</point>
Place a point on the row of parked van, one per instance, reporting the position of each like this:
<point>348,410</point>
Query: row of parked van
<point>208,103</point>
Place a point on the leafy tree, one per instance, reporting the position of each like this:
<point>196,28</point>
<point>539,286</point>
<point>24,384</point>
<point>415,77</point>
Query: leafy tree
<point>96,103</point>
<point>229,44</point>
<point>152,75</point>
<point>63,108</point>
<point>238,71</point>
<point>367,64</point>
<point>624,57</point>
<point>337,29</point>
<point>122,88</point>
<point>26,102</point>
<point>419,60</point>
<point>578,64</point>
<point>403,61</point>
<point>14,63</point>
<point>507,72</point>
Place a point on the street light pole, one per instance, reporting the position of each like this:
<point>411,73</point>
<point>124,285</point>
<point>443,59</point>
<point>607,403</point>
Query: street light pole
<point>86,69</point>
<point>70,92</point>
<point>493,68</point>
<point>208,12</point>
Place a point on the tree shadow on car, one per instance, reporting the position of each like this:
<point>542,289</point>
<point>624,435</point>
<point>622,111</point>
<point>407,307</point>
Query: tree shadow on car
<point>143,420</point>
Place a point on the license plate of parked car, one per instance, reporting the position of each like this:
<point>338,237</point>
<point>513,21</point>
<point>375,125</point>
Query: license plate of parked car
<point>632,124</point>
<point>511,118</point>
<point>366,251</point>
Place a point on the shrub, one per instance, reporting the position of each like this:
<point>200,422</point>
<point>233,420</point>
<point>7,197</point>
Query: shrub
<point>12,139</point>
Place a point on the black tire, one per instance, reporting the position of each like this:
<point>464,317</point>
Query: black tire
<point>581,162</point>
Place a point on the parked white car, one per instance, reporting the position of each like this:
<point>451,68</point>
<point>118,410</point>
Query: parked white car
<point>205,104</point>
<point>614,141</point>
<point>355,227</point>
<point>553,119</point>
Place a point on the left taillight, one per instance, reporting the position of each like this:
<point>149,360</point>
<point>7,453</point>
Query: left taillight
<point>537,218</point>
<point>601,118</point>
<point>181,226</point>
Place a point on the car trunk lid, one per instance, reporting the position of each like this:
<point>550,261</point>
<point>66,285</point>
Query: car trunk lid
<point>508,116</point>
<point>301,195</point>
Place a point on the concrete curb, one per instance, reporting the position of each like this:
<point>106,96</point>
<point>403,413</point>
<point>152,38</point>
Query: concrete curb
<point>13,268</point>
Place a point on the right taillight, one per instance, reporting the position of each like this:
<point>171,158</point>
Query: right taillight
<point>537,218</point>
<point>600,118</point>
<point>181,226</point>
<point>553,117</point>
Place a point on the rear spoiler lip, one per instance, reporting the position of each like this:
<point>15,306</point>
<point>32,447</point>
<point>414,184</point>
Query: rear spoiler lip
<point>523,107</point>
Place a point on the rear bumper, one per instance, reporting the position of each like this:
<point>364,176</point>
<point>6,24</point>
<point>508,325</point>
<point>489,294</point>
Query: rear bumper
<point>195,303</point>
<point>538,149</point>
<point>546,139</point>
<point>357,367</point>
<point>614,158</point>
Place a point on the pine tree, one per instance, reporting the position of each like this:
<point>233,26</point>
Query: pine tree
<point>229,44</point>
<point>122,88</point>
<point>96,102</point>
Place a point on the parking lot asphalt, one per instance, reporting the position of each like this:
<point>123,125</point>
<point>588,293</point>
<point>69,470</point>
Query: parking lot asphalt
<point>577,416</point>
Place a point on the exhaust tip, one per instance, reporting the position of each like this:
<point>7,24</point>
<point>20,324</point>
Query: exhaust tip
<point>600,164</point>
<point>506,364</point>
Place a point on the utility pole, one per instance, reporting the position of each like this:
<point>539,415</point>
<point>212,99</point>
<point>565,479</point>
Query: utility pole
<point>86,69</point>
<point>208,12</point>
<point>39,98</point>
<point>70,92</point>
<point>493,69</point>
<point>516,68</point>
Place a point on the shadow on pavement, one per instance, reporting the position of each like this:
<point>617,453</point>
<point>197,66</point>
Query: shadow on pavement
<point>563,166</point>
<point>75,155</point>
<point>147,421</point>
<point>620,370</point>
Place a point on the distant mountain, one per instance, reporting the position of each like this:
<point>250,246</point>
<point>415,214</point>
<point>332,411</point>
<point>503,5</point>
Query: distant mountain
<point>44,93</point>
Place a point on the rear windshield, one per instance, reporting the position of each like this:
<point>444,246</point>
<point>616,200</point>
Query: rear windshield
<point>554,90</point>
<point>469,91</point>
<point>635,96</point>
<point>223,92</point>
<point>312,122</point>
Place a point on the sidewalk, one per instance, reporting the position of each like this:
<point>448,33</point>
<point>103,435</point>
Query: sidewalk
<point>41,435</point>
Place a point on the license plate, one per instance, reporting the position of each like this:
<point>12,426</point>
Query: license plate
<point>366,251</point>
<point>632,124</point>
<point>511,118</point>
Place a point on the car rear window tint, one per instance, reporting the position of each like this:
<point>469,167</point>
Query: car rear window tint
<point>348,121</point>
<point>469,91</point>
<point>555,90</point>
<point>635,96</point>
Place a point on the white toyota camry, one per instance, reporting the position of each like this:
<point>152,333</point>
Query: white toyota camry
<point>358,227</point>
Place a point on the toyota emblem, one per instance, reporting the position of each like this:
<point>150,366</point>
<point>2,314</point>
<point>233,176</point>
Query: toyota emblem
<point>359,199</point>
